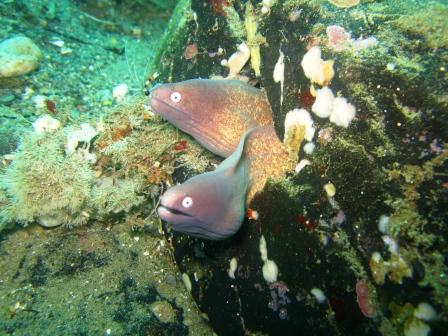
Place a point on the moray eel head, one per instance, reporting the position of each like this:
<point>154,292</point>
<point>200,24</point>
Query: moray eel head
<point>190,106</point>
<point>210,205</point>
<point>174,102</point>
<point>205,206</point>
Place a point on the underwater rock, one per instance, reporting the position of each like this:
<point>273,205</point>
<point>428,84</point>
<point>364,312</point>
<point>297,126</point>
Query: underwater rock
<point>266,292</point>
<point>163,311</point>
<point>18,56</point>
<point>387,158</point>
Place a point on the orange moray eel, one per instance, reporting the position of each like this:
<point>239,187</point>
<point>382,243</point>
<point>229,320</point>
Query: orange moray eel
<point>231,119</point>
<point>215,112</point>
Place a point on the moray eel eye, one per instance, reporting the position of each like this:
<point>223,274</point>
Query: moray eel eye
<point>176,97</point>
<point>187,202</point>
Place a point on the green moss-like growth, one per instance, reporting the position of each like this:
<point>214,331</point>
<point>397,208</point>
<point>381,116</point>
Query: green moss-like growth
<point>413,231</point>
<point>428,23</point>
<point>136,144</point>
<point>358,194</point>
<point>236,25</point>
<point>44,184</point>
<point>112,197</point>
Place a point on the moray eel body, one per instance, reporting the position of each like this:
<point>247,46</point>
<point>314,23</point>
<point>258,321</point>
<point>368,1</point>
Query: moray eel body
<point>212,205</point>
<point>231,119</point>
<point>215,112</point>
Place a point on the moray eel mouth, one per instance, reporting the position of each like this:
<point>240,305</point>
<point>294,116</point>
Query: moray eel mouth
<point>161,107</point>
<point>170,214</point>
<point>183,222</point>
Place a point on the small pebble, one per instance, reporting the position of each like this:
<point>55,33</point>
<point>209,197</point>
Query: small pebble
<point>18,56</point>
<point>66,51</point>
<point>120,92</point>
<point>7,98</point>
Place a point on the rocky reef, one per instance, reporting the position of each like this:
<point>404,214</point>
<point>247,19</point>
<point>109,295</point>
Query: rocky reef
<point>357,234</point>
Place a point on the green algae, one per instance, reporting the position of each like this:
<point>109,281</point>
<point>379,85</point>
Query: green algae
<point>345,249</point>
<point>290,5</point>
<point>235,23</point>
<point>366,186</point>
<point>429,23</point>
<point>412,177</point>
<point>113,197</point>
<point>135,141</point>
<point>409,227</point>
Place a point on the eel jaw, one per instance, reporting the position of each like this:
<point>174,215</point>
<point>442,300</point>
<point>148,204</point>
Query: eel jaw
<point>161,107</point>
<point>172,215</point>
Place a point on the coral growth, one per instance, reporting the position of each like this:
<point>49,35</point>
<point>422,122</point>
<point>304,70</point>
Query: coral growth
<point>45,185</point>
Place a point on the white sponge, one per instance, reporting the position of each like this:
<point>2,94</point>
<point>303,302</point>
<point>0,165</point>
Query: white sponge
<point>343,112</point>
<point>324,102</point>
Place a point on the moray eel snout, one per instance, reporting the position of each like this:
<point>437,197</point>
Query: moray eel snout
<point>172,103</point>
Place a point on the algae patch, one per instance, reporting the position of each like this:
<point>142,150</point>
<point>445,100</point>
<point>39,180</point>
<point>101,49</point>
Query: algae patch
<point>428,23</point>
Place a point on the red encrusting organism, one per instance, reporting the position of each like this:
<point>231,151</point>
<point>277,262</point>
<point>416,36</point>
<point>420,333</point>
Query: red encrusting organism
<point>308,223</point>
<point>251,214</point>
<point>363,296</point>
<point>51,105</point>
<point>191,51</point>
<point>306,100</point>
<point>181,145</point>
<point>218,6</point>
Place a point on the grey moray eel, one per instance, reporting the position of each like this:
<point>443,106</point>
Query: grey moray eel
<point>231,119</point>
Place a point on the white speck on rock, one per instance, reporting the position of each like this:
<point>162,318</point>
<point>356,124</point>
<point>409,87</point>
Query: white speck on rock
<point>46,124</point>
<point>120,92</point>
